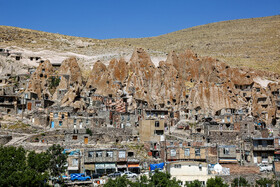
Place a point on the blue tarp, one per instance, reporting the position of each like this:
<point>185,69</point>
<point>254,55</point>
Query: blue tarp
<point>156,166</point>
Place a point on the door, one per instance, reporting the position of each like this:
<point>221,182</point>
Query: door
<point>29,106</point>
<point>52,124</point>
<point>255,158</point>
<point>86,140</point>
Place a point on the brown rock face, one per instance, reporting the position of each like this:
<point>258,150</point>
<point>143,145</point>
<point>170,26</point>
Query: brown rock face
<point>182,81</point>
<point>39,81</point>
<point>69,74</point>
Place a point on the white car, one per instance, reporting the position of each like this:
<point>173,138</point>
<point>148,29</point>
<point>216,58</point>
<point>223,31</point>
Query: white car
<point>129,174</point>
<point>265,167</point>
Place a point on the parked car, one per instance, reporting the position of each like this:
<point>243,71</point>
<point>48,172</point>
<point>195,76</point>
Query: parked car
<point>96,175</point>
<point>66,177</point>
<point>129,174</point>
<point>265,167</point>
<point>79,177</point>
<point>115,174</point>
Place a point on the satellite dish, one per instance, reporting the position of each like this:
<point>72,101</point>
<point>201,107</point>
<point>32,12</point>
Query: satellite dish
<point>218,168</point>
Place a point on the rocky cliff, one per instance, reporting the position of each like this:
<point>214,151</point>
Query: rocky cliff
<point>201,84</point>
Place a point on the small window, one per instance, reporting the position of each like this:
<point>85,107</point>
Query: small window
<point>121,154</point>
<point>156,123</point>
<point>75,137</point>
<point>130,154</point>
<point>55,115</point>
<point>180,144</point>
<point>75,162</point>
<point>226,151</point>
<point>60,123</point>
<point>62,116</point>
<point>177,165</point>
<point>98,154</point>
<point>109,154</point>
<point>90,154</point>
<point>197,151</point>
<point>187,152</point>
<point>172,152</point>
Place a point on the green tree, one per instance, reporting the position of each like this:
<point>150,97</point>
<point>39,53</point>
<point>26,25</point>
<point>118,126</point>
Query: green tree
<point>16,171</point>
<point>118,182</point>
<point>58,160</point>
<point>195,183</point>
<point>264,182</point>
<point>159,179</point>
<point>216,182</point>
<point>240,181</point>
<point>163,179</point>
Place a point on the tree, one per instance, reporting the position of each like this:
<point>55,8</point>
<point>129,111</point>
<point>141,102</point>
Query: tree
<point>58,160</point>
<point>264,182</point>
<point>158,179</point>
<point>240,181</point>
<point>195,183</point>
<point>216,182</point>
<point>163,179</point>
<point>17,169</point>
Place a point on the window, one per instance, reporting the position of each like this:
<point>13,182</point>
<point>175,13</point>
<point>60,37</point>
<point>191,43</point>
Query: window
<point>62,116</point>
<point>75,137</point>
<point>177,165</point>
<point>109,154</point>
<point>98,154</point>
<point>121,154</point>
<point>187,152</point>
<point>180,144</point>
<point>60,123</point>
<point>74,162</point>
<point>226,151</point>
<point>130,154</point>
<point>197,151</point>
<point>171,143</point>
<point>75,121</point>
<point>156,123</point>
<point>55,115</point>
<point>172,152</point>
<point>228,119</point>
<point>90,154</point>
<point>158,132</point>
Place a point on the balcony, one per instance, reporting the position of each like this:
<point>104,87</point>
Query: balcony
<point>264,148</point>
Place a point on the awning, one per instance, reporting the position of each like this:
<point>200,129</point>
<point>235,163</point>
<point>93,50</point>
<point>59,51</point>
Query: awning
<point>73,168</point>
<point>90,167</point>
<point>121,166</point>
<point>133,165</point>
<point>228,161</point>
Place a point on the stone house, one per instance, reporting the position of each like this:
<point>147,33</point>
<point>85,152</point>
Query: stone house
<point>263,150</point>
<point>151,130</point>
<point>105,160</point>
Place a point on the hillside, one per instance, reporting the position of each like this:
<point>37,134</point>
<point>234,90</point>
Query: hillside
<point>245,42</point>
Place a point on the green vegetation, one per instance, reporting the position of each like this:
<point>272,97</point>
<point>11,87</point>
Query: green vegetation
<point>195,183</point>
<point>158,179</point>
<point>240,182</point>
<point>19,125</point>
<point>21,168</point>
<point>216,182</point>
<point>88,131</point>
<point>264,182</point>
<point>53,83</point>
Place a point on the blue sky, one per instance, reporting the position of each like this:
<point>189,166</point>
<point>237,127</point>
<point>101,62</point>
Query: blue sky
<point>105,19</point>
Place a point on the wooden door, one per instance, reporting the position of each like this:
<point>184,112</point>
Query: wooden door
<point>86,140</point>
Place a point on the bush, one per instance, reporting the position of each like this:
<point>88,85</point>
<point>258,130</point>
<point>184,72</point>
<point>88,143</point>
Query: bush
<point>88,131</point>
